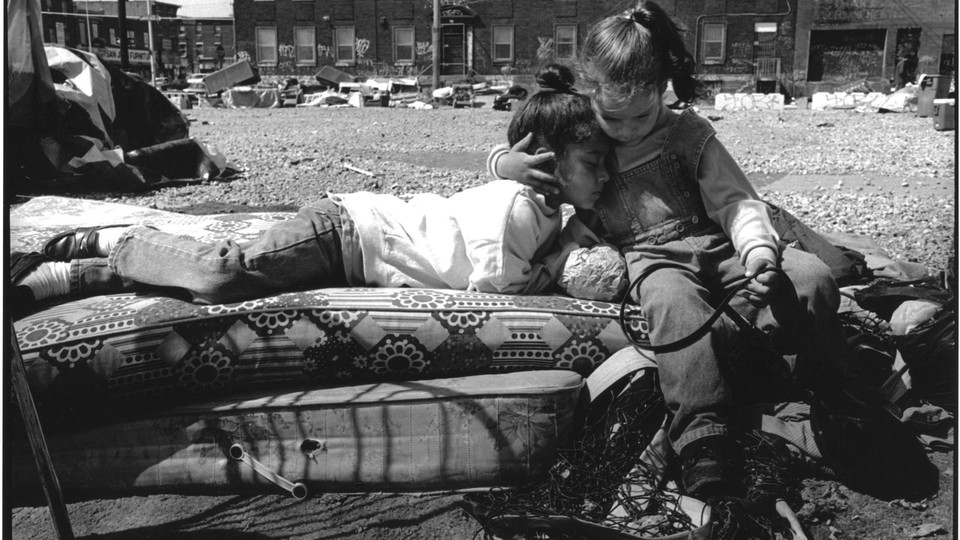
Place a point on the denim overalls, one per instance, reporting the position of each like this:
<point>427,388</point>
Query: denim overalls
<point>654,213</point>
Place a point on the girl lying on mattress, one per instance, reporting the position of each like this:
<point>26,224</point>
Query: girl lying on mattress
<point>501,237</point>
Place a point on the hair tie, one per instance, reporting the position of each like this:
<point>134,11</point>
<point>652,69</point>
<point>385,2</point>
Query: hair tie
<point>639,17</point>
<point>559,87</point>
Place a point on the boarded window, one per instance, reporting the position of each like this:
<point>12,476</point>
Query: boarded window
<point>845,55</point>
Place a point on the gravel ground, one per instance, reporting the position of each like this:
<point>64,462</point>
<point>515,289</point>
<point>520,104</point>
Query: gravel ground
<point>887,179</point>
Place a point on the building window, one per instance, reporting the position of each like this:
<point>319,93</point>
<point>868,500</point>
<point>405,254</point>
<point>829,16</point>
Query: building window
<point>403,46</point>
<point>199,28</point>
<point>345,45</point>
<point>198,50</point>
<point>113,37</point>
<point>183,49</point>
<point>306,41</point>
<point>83,33</point>
<point>565,41</point>
<point>267,45</point>
<point>503,44</point>
<point>131,38</point>
<point>146,40</point>
<point>217,29</point>
<point>183,30</point>
<point>714,42</point>
<point>95,29</point>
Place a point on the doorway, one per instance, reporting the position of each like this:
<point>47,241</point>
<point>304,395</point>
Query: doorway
<point>453,50</point>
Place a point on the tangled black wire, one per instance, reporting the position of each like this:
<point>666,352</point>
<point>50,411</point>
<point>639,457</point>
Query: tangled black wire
<point>600,471</point>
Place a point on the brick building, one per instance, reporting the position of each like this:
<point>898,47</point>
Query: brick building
<point>846,41</point>
<point>394,37</point>
<point>791,46</point>
<point>98,30</point>
<point>206,44</point>
<point>59,24</point>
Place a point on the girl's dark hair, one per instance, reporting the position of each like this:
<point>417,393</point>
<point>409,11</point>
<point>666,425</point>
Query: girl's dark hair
<point>639,50</point>
<point>556,115</point>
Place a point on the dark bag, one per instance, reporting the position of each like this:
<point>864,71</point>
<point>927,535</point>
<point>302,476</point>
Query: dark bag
<point>930,352</point>
<point>868,447</point>
<point>846,265</point>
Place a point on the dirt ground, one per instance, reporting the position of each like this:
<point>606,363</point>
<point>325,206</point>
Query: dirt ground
<point>838,512</point>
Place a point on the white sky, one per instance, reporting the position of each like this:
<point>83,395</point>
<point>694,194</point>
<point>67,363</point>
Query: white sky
<point>203,8</point>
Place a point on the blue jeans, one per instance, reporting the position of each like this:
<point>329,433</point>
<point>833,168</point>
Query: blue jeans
<point>677,301</point>
<point>301,253</point>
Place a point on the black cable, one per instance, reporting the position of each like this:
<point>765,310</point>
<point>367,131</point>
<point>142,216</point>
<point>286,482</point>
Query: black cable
<point>684,342</point>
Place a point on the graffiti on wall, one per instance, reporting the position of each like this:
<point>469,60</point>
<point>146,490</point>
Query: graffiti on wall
<point>545,50</point>
<point>845,11</point>
<point>842,100</point>
<point>748,102</point>
<point>326,53</point>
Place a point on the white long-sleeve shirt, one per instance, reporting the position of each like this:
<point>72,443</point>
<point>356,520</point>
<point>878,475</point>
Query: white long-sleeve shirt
<point>491,238</point>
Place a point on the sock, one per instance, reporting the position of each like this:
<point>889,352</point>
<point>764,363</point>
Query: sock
<point>48,280</point>
<point>108,238</point>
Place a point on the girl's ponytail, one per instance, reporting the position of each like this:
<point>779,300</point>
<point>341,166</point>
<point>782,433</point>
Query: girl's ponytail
<point>639,50</point>
<point>557,115</point>
<point>556,78</point>
<point>677,63</point>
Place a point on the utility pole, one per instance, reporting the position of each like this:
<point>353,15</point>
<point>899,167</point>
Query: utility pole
<point>436,45</point>
<point>122,30</point>
<point>150,47</point>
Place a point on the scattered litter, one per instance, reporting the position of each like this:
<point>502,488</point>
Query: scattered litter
<point>825,124</point>
<point>928,529</point>
<point>355,169</point>
<point>908,505</point>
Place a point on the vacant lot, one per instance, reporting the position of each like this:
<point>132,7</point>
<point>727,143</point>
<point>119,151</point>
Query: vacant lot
<point>888,179</point>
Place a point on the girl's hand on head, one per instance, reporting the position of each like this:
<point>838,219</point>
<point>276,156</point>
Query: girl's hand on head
<point>518,165</point>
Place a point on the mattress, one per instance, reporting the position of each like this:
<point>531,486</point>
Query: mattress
<point>439,434</point>
<point>93,359</point>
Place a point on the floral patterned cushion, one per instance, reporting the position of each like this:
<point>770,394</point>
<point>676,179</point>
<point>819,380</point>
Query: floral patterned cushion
<point>150,349</point>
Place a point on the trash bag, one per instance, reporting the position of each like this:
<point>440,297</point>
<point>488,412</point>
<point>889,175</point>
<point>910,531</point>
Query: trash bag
<point>930,352</point>
<point>868,447</point>
<point>846,265</point>
<point>884,296</point>
<point>99,116</point>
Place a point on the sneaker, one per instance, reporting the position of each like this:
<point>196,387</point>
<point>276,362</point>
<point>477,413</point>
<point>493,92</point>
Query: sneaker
<point>709,468</point>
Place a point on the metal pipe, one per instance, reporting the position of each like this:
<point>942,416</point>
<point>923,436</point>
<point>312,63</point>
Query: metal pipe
<point>297,489</point>
<point>436,45</point>
<point>150,47</point>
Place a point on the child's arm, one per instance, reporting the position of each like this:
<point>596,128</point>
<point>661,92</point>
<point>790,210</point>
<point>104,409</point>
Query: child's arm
<point>732,202</point>
<point>505,163</point>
